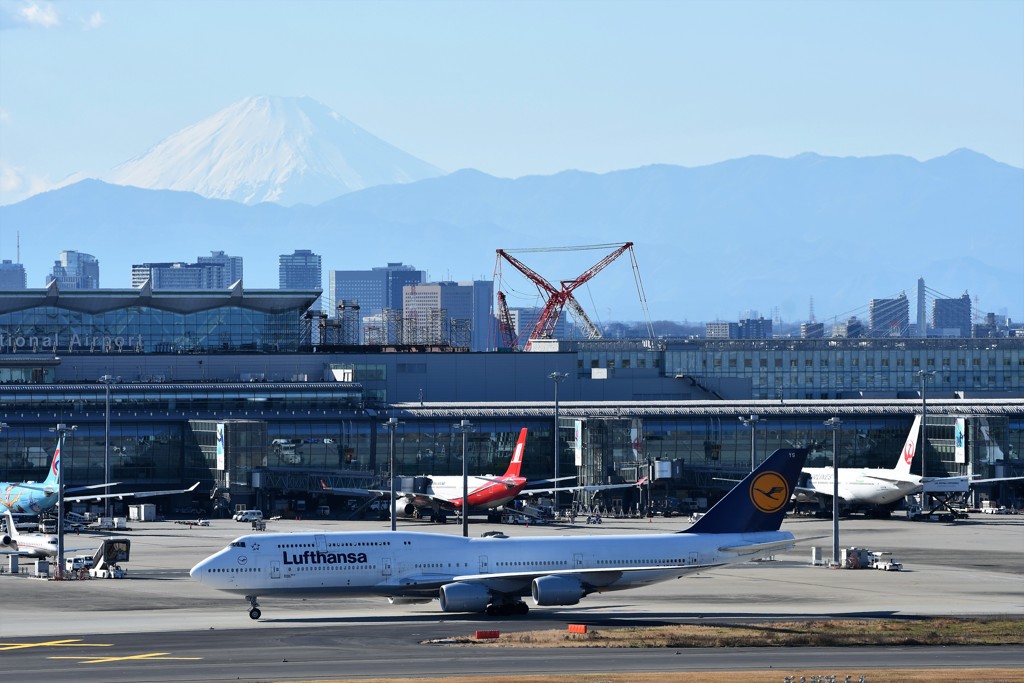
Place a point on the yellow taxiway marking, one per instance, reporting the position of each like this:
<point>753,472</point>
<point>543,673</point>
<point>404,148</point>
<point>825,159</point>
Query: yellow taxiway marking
<point>52,643</point>
<point>162,656</point>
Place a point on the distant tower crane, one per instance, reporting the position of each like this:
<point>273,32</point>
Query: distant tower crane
<point>559,298</point>
<point>505,326</point>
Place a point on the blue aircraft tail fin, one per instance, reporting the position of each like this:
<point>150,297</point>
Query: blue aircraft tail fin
<point>53,476</point>
<point>759,502</point>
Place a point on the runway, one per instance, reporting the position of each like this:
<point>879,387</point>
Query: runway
<point>159,625</point>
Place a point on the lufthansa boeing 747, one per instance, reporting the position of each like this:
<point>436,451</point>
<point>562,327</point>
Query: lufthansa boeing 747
<point>494,574</point>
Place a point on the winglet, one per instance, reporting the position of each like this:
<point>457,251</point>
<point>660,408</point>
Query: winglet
<point>516,464</point>
<point>759,502</point>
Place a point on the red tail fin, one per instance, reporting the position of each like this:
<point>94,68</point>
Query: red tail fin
<point>517,456</point>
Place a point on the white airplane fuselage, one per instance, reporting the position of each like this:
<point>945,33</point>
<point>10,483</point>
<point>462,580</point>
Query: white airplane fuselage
<point>864,485</point>
<point>416,565</point>
<point>493,574</point>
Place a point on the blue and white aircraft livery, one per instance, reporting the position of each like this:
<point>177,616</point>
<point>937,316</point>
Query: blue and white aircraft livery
<point>33,498</point>
<point>494,574</point>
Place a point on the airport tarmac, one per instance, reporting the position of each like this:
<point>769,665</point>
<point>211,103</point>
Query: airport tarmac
<point>971,567</point>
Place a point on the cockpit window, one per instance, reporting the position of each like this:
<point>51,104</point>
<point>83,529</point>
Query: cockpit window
<point>237,544</point>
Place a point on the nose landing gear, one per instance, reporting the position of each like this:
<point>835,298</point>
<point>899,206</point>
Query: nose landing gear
<point>254,613</point>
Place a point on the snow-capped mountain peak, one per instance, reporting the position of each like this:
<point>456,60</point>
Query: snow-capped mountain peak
<point>287,150</point>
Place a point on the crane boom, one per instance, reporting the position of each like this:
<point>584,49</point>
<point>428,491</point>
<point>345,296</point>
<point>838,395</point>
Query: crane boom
<point>558,298</point>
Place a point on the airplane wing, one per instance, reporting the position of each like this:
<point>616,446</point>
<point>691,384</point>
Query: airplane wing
<point>889,480</point>
<point>559,489</point>
<point>418,499</point>
<point>993,479</point>
<point>131,494</point>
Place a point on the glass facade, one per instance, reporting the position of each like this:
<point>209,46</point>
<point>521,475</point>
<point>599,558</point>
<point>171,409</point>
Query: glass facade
<point>827,369</point>
<point>138,329</point>
<point>143,321</point>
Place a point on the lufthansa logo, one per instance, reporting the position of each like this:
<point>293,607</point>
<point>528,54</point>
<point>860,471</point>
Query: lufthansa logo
<point>242,559</point>
<point>769,492</point>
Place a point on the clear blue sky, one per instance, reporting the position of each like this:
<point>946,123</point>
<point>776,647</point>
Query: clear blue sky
<point>517,88</point>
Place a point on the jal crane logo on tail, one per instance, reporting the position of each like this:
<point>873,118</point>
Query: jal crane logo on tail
<point>908,451</point>
<point>769,492</point>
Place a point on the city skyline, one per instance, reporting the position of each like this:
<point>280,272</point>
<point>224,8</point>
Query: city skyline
<point>382,288</point>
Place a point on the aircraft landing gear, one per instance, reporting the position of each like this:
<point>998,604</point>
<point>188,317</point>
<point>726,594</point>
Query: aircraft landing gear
<point>254,613</point>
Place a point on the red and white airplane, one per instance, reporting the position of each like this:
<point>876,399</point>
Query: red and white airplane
<point>440,494</point>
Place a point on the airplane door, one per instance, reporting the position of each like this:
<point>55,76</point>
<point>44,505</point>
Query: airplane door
<point>692,559</point>
<point>385,567</point>
<point>483,564</point>
<point>275,570</point>
<point>577,560</point>
<point>321,543</point>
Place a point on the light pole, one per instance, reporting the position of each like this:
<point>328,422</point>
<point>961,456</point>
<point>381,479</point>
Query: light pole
<point>557,378</point>
<point>106,380</point>
<point>61,430</point>
<point>391,425</point>
<point>833,423</point>
<point>752,423</point>
<point>465,426</point>
<point>924,375</point>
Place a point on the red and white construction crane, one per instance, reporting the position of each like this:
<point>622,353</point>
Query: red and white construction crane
<point>557,298</point>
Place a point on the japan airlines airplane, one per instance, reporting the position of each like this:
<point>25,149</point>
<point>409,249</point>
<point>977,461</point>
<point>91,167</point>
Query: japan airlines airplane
<point>493,574</point>
<point>881,487</point>
<point>863,485</point>
<point>31,498</point>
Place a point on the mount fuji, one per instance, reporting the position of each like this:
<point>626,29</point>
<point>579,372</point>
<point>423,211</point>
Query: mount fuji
<point>286,150</point>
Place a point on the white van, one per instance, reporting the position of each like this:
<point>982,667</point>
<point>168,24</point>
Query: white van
<point>249,516</point>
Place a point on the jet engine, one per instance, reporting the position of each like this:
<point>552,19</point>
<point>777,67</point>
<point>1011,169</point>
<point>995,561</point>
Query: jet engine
<point>464,597</point>
<point>5,540</point>
<point>556,590</point>
<point>404,508</point>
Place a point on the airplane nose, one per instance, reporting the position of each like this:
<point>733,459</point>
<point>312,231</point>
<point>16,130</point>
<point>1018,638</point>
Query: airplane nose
<point>197,572</point>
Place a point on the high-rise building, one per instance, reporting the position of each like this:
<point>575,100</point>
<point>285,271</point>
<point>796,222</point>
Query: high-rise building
<point>375,289</point>
<point>952,317</point>
<point>75,270</point>
<point>300,270</point>
<point>722,330</point>
<point>455,313</point>
<point>218,271</point>
<point>12,276</point>
<point>755,328</point>
<point>812,330</point>
<point>222,270</point>
<point>850,329</point>
<point>889,317</point>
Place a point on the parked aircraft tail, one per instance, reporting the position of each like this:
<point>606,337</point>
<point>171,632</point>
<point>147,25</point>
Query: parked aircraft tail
<point>909,448</point>
<point>759,501</point>
<point>517,456</point>
<point>53,476</point>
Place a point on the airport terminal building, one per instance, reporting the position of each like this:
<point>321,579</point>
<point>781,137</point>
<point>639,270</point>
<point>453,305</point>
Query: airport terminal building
<point>228,388</point>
